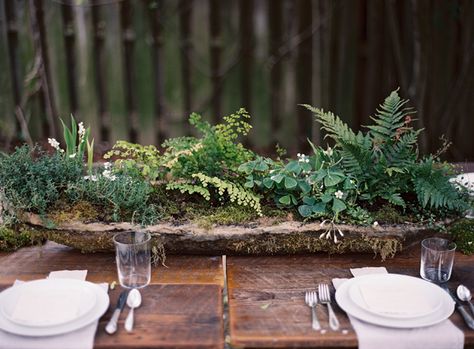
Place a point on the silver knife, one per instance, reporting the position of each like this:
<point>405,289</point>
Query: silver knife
<point>111,327</point>
<point>460,307</point>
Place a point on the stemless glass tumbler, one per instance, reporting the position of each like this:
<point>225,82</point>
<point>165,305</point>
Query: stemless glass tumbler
<point>437,258</point>
<point>133,258</point>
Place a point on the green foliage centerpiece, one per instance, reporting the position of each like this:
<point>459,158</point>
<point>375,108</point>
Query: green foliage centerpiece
<point>367,191</point>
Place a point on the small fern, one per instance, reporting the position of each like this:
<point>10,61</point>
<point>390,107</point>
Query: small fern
<point>190,189</point>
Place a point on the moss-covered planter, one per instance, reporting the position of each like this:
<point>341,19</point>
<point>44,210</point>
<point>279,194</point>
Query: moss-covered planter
<point>253,238</point>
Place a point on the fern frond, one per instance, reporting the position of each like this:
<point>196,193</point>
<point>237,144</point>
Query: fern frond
<point>236,192</point>
<point>390,118</point>
<point>434,190</point>
<point>190,189</point>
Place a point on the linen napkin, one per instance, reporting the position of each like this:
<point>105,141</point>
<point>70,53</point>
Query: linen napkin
<point>82,338</point>
<point>444,335</point>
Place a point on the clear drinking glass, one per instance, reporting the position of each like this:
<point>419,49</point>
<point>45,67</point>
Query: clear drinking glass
<point>133,258</point>
<point>437,258</point>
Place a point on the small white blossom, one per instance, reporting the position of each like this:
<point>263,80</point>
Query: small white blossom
<point>302,158</point>
<point>328,152</point>
<point>107,165</point>
<point>108,174</point>
<point>376,224</point>
<point>339,194</point>
<point>54,143</point>
<point>82,130</point>
<point>92,178</point>
<point>72,156</point>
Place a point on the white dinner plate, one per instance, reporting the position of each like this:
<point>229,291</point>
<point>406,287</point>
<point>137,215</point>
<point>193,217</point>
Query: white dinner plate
<point>396,296</point>
<point>344,300</point>
<point>29,328</point>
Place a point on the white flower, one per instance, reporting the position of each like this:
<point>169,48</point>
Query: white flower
<point>54,143</point>
<point>72,156</point>
<point>302,157</point>
<point>92,178</point>
<point>339,194</point>
<point>108,174</point>
<point>82,130</point>
<point>107,165</point>
<point>328,152</point>
<point>376,224</point>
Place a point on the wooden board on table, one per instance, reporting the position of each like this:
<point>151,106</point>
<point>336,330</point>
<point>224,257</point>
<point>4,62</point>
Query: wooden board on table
<point>266,296</point>
<point>36,262</point>
<point>171,316</point>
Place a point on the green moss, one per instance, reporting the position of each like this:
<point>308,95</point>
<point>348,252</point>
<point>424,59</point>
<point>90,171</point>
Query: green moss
<point>463,234</point>
<point>206,217</point>
<point>13,239</point>
<point>389,215</point>
<point>81,211</point>
<point>297,243</point>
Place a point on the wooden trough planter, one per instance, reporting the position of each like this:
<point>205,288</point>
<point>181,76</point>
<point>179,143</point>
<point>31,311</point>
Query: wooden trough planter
<point>253,239</point>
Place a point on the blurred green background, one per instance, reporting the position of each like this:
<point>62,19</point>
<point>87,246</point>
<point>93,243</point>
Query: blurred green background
<point>135,69</point>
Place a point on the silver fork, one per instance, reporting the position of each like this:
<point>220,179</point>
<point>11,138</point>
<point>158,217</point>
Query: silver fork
<point>325,298</point>
<point>311,299</point>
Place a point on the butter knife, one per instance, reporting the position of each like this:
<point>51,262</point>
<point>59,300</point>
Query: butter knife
<point>460,307</point>
<point>111,327</point>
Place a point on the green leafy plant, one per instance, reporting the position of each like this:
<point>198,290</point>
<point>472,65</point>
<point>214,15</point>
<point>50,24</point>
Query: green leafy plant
<point>131,157</point>
<point>76,138</point>
<point>385,159</point>
<point>216,153</point>
<point>33,181</point>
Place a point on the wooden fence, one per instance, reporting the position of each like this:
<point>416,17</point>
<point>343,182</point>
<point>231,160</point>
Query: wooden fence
<point>136,69</point>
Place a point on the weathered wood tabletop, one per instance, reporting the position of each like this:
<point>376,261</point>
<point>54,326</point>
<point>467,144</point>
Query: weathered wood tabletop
<point>183,306</point>
<point>266,297</point>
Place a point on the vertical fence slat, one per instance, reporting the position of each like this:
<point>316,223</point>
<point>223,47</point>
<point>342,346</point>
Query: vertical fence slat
<point>99,69</point>
<point>215,55</point>
<point>154,10</point>
<point>275,22</point>
<point>50,125</point>
<point>12,44</point>
<point>69,44</point>
<point>185,17</point>
<point>246,51</point>
<point>128,41</point>
<point>304,69</point>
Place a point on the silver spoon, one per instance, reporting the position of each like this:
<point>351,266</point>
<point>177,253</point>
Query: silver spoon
<point>134,300</point>
<point>465,295</point>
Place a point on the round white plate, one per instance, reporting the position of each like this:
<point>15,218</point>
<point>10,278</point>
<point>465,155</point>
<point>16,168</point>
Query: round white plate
<point>414,290</point>
<point>48,296</point>
<point>100,307</point>
<point>344,300</point>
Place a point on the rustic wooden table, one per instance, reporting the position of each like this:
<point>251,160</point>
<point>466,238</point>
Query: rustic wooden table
<point>183,306</point>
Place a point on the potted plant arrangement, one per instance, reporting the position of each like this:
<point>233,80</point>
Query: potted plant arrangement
<point>367,192</point>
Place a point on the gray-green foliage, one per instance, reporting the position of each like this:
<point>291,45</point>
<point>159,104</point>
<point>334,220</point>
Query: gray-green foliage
<point>33,181</point>
<point>125,196</point>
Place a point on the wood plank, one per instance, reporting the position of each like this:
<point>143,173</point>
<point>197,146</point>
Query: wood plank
<point>215,49</point>
<point>266,307</point>
<point>36,262</point>
<point>172,316</point>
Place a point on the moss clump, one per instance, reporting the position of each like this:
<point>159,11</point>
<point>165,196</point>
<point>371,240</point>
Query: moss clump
<point>206,217</point>
<point>298,243</point>
<point>463,234</point>
<point>12,240</point>
<point>389,215</point>
<point>81,211</point>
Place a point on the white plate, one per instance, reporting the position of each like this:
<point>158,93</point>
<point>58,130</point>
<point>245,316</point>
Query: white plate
<point>398,296</point>
<point>344,300</point>
<point>100,307</point>
<point>48,302</point>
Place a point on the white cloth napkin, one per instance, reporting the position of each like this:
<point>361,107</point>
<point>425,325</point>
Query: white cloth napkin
<point>444,335</point>
<point>82,338</point>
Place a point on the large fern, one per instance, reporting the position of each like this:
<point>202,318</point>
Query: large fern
<point>355,148</point>
<point>385,158</point>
